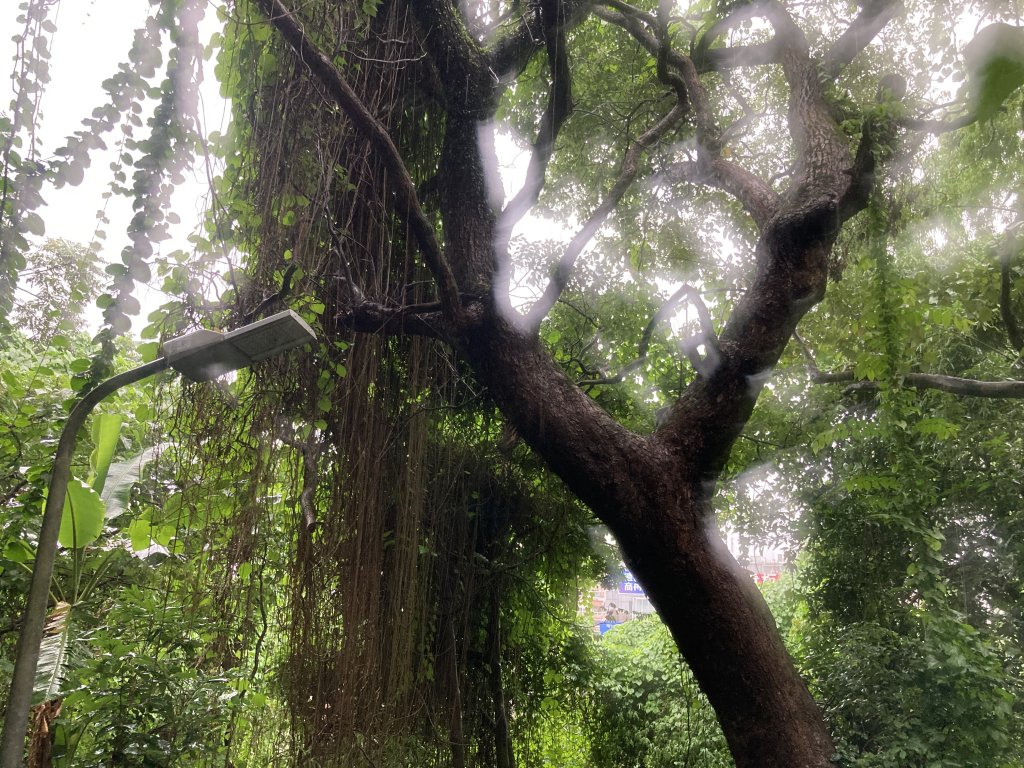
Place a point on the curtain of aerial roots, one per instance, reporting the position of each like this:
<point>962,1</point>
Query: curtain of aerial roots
<point>374,653</point>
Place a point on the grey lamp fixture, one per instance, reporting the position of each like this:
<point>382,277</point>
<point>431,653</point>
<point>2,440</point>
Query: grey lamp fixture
<point>200,356</point>
<point>203,355</point>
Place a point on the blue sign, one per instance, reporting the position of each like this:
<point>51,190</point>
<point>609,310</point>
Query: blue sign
<point>630,586</point>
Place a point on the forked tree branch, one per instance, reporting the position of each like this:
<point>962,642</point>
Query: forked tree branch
<point>556,112</point>
<point>707,132</point>
<point>513,49</point>
<point>406,201</point>
<point>754,194</point>
<point>630,167</point>
<point>873,17</point>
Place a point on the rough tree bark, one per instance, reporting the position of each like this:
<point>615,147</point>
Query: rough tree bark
<point>653,491</point>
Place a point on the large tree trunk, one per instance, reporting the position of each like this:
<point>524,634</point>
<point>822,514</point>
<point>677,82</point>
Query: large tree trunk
<point>654,492</point>
<point>657,505</point>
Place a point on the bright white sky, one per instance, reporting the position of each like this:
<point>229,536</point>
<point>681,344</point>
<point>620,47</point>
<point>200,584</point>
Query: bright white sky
<point>78,67</point>
<point>92,38</point>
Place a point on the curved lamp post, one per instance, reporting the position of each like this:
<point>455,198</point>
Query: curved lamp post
<point>200,356</point>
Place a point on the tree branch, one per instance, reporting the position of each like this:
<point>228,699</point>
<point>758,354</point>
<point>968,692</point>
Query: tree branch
<point>708,59</point>
<point>617,378</point>
<point>406,202</point>
<point>756,195</point>
<point>877,143</point>
<point>873,17</point>
<point>810,123</point>
<point>937,127</point>
<point>753,193</point>
<point>717,59</point>
<point>707,337</point>
<point>954,385</point>
<point>558,109</point>
<point>630,168</point>
<point>707,132</point>
<point>413,320</point>
<point>512,51</point>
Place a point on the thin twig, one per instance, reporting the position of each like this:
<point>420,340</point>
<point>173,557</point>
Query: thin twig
<point>707,337</point>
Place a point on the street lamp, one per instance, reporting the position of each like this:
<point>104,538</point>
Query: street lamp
<point>200,356</point>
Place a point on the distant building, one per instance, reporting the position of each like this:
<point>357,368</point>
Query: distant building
<point>615,605</point>
<point>626,600</point>
<point>762,563</point>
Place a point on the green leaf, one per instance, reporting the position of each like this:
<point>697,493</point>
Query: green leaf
<point>943,429</point>
<point>82,519</point>
<point>995,67</point>
<point>54,651</point>
<point>139,534</point>
<point>121,476</point>
<point>18,551</point>
<point>106,429</point>
<point>148,351</point>
<point>33,224</point>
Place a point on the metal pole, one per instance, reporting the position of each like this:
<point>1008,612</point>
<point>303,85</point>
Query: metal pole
<point>19,700</point>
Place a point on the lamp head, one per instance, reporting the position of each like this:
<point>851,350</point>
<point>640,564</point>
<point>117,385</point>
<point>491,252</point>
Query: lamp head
<point>204,354</point>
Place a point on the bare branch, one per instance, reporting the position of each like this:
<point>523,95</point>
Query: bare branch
<point>708,59</point>
<point>558,108</point>
<point>406,202</point>
<point>630,167</point>
<point>954,385</point>
<point>873,17</point>
<point>413,320</point>
<point>617,378</point>
<point>626,9</point>
<point>967,387</point>
<point>812,365</point>
<point>753,193</point>
<point>937,127</point>
<point>717,59</point>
